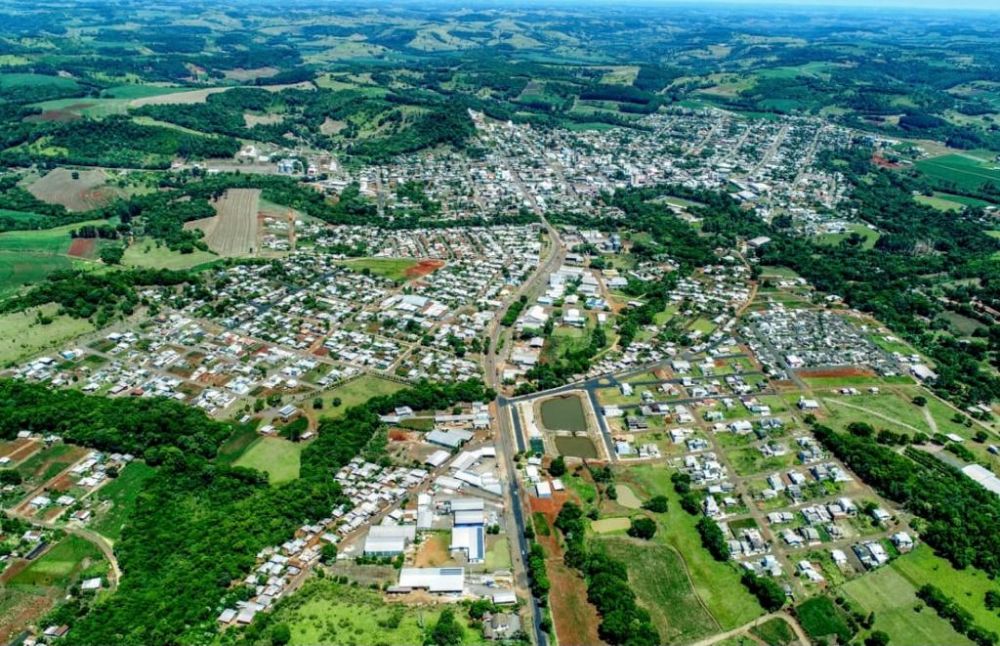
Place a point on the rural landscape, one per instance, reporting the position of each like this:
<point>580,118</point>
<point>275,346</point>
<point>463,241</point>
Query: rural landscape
<point>437,324</point>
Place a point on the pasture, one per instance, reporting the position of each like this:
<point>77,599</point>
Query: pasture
<point>87,191</point>
<point>392,268</point>
<point>820,618</point>
<point>716,584</point>
<point>893,599</point>
<point>29,256</point>
<point>357,391</point>
<point>960,171</point>
<point>276,457</point>
<point>60,565</point>
<point>24,335</point>
<point>657,576</point>
<point>148,254</point>
<point>232,231</point>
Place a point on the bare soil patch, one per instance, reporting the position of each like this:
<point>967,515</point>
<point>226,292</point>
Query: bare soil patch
<point>251,119</point>
<point>83,247</point>
<point>424,268</point>
<point>19,449</point>
<point>241,74</point>
<point>433,552</point>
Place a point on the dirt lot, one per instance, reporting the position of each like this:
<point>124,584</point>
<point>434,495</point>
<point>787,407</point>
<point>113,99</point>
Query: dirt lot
<point>423,268</point>
<point>433,552</point>
<point>83,247</point>
<point>19,449</point>
<point>87,192</point>
<point>233,231</point>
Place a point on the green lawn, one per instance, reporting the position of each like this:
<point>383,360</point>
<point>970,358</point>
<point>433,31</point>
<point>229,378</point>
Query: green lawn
<point>820,618</point>
<point>357,391</point>
<point>656,574</point>
<point>275,456</point>
<point>893,600</point>
<point>966,587</point>
<point>776,632</point>
<point>717,584</point>
<point>122,493</point>
<point>59,565</point>
<point>145,253</point>
<point>498,555</point>
<point>23,335</point>
<point>324,612</point>
<point>391,268</point>
<point>871,237</point>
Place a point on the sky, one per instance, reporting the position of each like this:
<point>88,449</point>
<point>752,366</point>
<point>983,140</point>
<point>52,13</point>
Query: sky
<point>993,5</point>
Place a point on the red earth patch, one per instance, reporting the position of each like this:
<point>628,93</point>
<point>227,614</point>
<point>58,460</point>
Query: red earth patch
<point>423,268</point>
<point>83,247</point>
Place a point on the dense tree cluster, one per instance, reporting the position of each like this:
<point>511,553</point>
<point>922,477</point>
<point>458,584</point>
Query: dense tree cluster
<point>960,620</point>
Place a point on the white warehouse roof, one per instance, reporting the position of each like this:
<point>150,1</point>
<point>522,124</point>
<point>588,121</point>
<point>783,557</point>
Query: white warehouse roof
<point>445,579</point>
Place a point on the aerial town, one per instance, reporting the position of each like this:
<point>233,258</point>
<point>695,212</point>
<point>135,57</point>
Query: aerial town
<point>639,383</point>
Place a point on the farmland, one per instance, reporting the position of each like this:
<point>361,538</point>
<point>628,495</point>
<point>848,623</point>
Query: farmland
<point>29,256</point>
<point>960,171</point>
<point>87,191</point>
<point>277,457</point>
<point>58,566</point>
<point>233,230</point>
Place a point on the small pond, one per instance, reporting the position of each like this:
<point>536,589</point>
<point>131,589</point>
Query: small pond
<point>576,447</point>
<point>564,414</point>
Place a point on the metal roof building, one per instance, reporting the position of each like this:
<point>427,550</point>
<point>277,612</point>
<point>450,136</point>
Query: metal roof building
<point>469,539</point>
<point>449,438</point>
<point>389,540</point>
<point>433,579</point>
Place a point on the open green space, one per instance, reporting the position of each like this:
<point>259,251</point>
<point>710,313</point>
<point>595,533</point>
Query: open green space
<point>121,494</point>
<point>870,237</point>
<point>25,335</point>
<point>776,632</point>
<point>58,566</point>
<point>820,618</point>
<point>357,391</point>
<point>716,583</point>
<point>965,587</point>
<point>959,171</point>
<point>146,253</point>
<point>24,80</point>
<point>894,601</point>
<point>391,268</point>
<point>277,457</point>
<point>657,576</point>
<point>324,612</point>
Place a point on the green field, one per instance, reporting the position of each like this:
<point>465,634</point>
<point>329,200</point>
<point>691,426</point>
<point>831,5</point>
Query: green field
<point>24,335</point>
<point>122,493</point>
<point>820,618</point>
<point>29,256</point>
<point>324,612</point>
<point>59,565</point>
<point>966,587</point>
<point>146,253</point>
<point>391,268</point>
<point>275,456</point>
<point>717,584</point>
<point>357,391</point>
<point>893,600</point>
<point>871,237</point>
<point>35,80</point>
<point>656,574</point>
<point>962,172</point>
<point>776,632</point>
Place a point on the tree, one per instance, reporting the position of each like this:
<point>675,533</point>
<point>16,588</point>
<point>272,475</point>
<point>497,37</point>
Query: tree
<point>447,631</point>
<point>112,254</point>
<point>642,527</point>
<point>318,403</point>
<point>770,595</point>
<point>656,504</point>
<point>281,634</point>
<point>920,400</point>
<point>336,402</point>
<point>328,553</point>
<point>557,467</point>
<point>877,638</point>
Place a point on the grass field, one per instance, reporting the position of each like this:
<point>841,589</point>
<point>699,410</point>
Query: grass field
<point>145,253</point>
<point>871,237</point>
<point>23,335</point>
<point>357,391</point>
<point>498,554</point>
<point>776,632</point>
<point>966,587</point>
<point>35,80</point>
<point>960,171</point>
<point>391,268</point>
<point>609,525</point>
<point>29,256</point>
<point>323,612</point>
<point>59,565</point>
<point>892,598</point>
<point>275,456</point>
<point>121,492</point>
<point>717,584</point>
<point>820,618</point>
<point>657,576</point>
